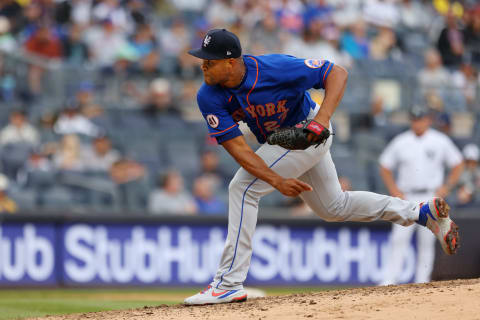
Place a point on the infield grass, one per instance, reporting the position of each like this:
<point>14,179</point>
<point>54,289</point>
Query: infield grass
<point>25,303</point>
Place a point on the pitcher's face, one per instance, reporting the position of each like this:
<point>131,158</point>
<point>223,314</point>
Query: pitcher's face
<point>216,71</point>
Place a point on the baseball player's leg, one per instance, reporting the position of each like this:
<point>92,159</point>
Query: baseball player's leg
<point>244,195</point>
<point>399,241</point>
<point>425,255</point>
<point>245,192</point>
<point>332,204</point>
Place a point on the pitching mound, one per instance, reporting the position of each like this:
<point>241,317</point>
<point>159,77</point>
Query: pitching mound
<point>459,299</point>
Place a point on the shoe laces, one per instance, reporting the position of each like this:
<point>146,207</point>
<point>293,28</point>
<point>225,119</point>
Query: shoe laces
<point>206,289</point>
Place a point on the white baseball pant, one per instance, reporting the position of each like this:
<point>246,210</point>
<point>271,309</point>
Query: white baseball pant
<point>400,238</point>
<point>315,167</point>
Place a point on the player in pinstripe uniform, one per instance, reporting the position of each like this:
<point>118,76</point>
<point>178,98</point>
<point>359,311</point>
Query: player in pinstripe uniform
<point>420,156</point>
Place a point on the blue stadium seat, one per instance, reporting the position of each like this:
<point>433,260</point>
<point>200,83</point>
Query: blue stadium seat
<point>349,167</point>
<point>13,157</point>
<point>183,155</point>
<point>367,148</point>
<point>133,196</point>
<point>40,180</point>
<point>145,151</point>
<point>357,95</point>
<point>26,199</point>
<point>415,41</point>
<point>56,198</point>
<point>273,199</point>
<point>226,162</point>
<point>134,120</point>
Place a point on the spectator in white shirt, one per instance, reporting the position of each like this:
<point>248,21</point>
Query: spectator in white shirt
<point>433,76</point>
<point>113,10</point>
<point>71,121</point>
<point>19,130</point>
<point>106,42</point>
<point>171,198</point>
<point>414,15</point>
<point>381,13</point>
<point>100,156</point>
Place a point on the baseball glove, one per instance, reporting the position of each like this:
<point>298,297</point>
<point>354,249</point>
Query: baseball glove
<point>296,138</point>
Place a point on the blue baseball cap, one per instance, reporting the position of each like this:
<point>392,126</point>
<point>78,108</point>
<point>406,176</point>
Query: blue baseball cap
<point>218,44</point>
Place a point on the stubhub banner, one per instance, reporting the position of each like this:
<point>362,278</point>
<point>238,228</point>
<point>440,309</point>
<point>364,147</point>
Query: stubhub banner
<point>27,254</point>
<point>171,254</point>
<point>140,254</point>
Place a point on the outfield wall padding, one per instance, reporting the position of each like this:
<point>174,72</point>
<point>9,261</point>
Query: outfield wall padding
<point>139,250</point>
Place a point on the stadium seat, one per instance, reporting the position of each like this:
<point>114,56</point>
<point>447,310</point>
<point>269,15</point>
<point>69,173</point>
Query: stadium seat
<point>26,199</point>
<point>274,199</point>
<point>133,196</point>
<point>226,162</point>
<point>103,194</point>
<point>56,198</point>
<point>367,148</point>
<point>13,157</point>
<point>146,152</point>
<point>356,97</point>
<point>348,167</point>
<point>182,155</point>
<point>40,180</point>
<point>134,120</point>
<point>415,41</point>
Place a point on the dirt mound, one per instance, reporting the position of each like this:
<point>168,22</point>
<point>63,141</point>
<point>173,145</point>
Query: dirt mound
<point>458,299</point>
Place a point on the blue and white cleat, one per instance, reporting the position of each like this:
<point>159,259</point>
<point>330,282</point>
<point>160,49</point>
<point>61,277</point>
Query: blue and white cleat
<point>212,296</point>
<point>437,220</point>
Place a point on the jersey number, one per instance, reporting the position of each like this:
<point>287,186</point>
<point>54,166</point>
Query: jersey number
<point>271,125</point>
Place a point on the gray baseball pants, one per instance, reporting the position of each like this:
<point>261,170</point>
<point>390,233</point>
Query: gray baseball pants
<point>315,167</point>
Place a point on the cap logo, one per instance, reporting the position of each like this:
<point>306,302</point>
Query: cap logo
<point>207,40</point>
<point>229,53</point>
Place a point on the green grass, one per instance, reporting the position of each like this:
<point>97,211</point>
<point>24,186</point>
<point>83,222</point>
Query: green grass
<point>23,303</point>
<point>17,309</point>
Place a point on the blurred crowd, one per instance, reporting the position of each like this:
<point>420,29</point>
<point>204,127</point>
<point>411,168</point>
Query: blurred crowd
<point>98,97</point>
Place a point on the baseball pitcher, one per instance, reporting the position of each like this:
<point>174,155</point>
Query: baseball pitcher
<point>269,93</point>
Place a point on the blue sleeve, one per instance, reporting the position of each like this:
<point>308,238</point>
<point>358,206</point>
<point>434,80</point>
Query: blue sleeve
<point>220,123</point>
<point>307,73</point>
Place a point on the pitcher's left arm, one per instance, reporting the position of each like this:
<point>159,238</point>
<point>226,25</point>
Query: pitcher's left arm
<point>334,88</point>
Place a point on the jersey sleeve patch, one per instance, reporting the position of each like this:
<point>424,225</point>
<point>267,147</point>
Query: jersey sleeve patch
<point>314,63</point>
<point>213,121</point>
